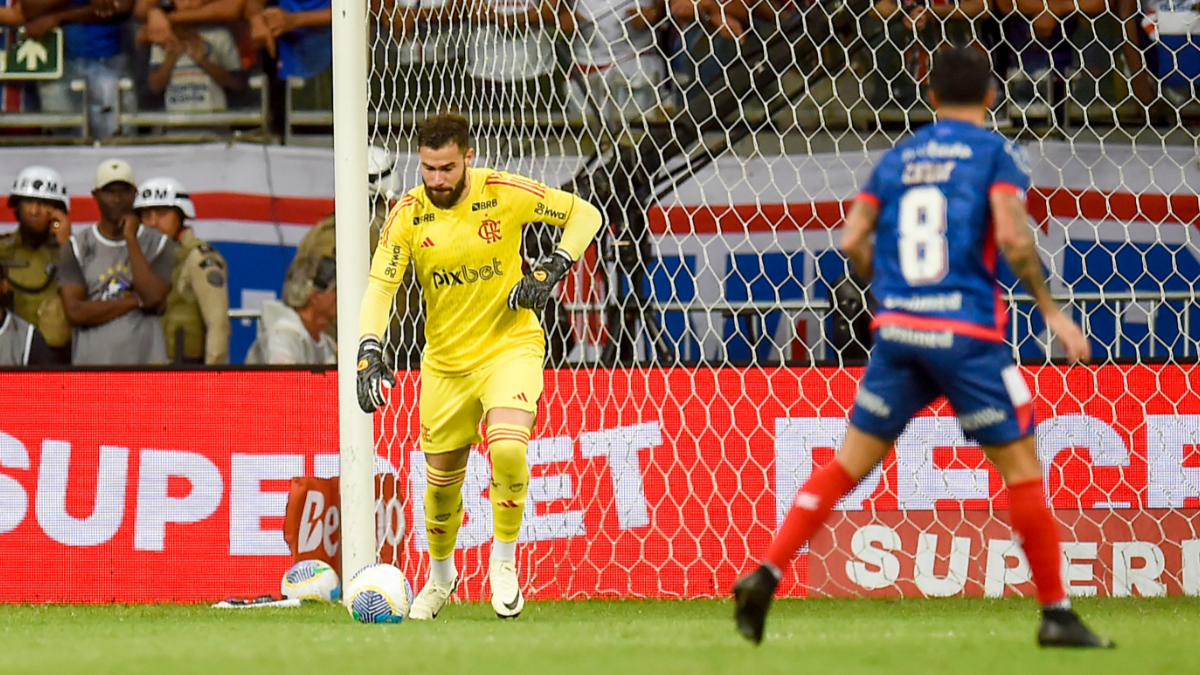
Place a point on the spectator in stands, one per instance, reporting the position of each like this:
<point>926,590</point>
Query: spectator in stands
<point>92,52</point>
<point>421,68</point>
<point>914,30</point>
<point>293,332</point>
<point>511,55</point>
<point>16,96</point>
<point>616,60</point>
<point>201,39</point>
<point>163,17</point>
<point>116,278</point>
<point>21,344</point>
<point>196,319</point>
<point>39,201</point>
<point>728,20</point>
<point>1038,33</point>
<point>195,68</point>
<point>298,34</point>
<point>716,33</point>
<point>321,240</point>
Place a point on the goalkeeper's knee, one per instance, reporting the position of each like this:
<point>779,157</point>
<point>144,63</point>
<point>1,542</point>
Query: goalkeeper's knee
<point>510,478</point>
<point>443,510</point>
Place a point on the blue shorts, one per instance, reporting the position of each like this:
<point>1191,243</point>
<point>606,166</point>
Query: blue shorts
<point>910,368</point>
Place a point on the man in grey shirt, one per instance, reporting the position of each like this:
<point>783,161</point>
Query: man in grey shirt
<point>115,278</point>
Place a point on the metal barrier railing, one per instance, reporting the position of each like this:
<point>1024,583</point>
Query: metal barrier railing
<point>246,117</point>
<point>756,310</point>
<point>46,120</point>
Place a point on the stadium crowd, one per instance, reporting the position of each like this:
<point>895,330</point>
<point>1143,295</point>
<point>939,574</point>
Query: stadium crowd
<point>139,287</point>
<point>617,59</point>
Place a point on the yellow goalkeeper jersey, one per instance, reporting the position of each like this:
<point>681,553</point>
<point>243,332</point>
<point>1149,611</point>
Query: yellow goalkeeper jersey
<point>467,259</point>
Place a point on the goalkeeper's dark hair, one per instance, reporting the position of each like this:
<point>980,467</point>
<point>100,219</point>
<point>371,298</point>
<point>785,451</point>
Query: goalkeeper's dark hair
<point>442,129</point>
<point>960,76</point>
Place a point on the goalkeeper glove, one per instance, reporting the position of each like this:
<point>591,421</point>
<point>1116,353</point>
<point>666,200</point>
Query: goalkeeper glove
<point>374,378</point>
<point>534,289</point>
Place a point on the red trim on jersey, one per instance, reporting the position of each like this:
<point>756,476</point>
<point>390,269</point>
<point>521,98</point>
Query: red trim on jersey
<point>540,194</point>
<point>962,328</point>
<point>499,175</point>
<point>514,181</point>
<point>513,178</point>
<point>1004,187</point>
<point>1000,310</point>
<point>387,225</point>
<point>867,198</point>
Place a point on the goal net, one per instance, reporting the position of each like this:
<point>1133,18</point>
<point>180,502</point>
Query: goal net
<point>703,356</point>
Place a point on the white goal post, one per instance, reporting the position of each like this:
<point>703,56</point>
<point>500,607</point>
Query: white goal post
<point>357,440</point>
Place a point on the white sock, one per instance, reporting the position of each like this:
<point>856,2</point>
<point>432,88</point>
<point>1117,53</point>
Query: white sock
<point>442,571</point>
<point>1065,603</point>
<point>504,550</point>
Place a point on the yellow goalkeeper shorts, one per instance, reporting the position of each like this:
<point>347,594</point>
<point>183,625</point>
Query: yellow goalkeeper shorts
<point>453,407</point>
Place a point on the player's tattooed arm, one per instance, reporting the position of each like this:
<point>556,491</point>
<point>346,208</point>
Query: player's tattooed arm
<point>856,236</point>
<point>1014,238</point>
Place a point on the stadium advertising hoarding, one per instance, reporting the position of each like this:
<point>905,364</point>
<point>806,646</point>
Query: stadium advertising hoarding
<point>644,483</point>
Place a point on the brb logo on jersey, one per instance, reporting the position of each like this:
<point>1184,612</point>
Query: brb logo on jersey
<point>465,275</point>
<point>489,231</point>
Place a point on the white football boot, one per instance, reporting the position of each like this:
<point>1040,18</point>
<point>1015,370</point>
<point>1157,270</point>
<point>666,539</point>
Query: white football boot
<point>506,590</point>
<point>431,600</point>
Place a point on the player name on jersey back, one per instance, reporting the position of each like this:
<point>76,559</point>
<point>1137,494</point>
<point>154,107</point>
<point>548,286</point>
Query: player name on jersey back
<point>935,254</point>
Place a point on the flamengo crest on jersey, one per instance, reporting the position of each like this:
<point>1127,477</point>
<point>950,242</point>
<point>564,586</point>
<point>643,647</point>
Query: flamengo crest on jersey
<point>935,255</point>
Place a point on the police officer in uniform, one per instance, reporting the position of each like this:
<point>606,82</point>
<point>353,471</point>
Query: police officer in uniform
<point>196,320</point>
<point>383,185</point>
<point>39,200</point>
<point>21,343</point>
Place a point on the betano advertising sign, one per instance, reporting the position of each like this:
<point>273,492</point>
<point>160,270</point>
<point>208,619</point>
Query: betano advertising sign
<point>137,487</point>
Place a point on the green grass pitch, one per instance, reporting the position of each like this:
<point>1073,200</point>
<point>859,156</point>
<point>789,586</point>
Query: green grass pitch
<point>942,637</point>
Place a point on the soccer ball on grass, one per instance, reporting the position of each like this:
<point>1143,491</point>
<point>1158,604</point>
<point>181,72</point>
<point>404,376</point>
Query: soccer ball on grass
<point>379,593</point>
<point>311,580</point>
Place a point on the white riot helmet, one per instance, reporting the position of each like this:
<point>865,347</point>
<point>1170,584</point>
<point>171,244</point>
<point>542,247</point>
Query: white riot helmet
<point>40,182</point>
<point>164,192</point>
<point>382,178</point>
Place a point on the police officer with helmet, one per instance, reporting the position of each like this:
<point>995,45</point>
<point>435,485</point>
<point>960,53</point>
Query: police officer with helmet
<point>383,186</point>
<point>39,200</point>
<point>196,320</point>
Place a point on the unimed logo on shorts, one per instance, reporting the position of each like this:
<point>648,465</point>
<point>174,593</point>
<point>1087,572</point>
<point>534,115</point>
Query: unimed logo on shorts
<point>466,275</point>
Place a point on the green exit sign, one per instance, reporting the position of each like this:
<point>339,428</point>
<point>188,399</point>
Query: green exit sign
<point>27,59</point>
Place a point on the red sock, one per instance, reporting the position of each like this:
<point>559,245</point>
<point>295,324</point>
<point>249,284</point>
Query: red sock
<point>813,503</point>
<point>1032,520</point>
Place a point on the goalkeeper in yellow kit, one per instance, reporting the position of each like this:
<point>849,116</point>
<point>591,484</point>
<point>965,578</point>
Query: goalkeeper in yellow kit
<point>484,344</point>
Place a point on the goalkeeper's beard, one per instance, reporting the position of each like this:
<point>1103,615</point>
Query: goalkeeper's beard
<point>446,198</point>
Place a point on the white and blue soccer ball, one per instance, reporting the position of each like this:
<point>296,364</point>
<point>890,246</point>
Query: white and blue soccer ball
<point>311,580</point>
<point>379,593</point>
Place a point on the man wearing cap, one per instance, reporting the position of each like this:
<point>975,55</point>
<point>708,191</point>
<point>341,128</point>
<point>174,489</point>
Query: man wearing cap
<point>293,332</point>
<point>196,321</point>
<point>115,278</point>
<point>21,344</point>
<point>40,203</point>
